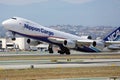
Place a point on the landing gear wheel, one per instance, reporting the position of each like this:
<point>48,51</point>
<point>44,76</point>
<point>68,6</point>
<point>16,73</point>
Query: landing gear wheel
<point>50,48</point>
<point>61,52</point>
<point>13,36</point>
<point>13,39</point>
<point>64,50</point>
<point>67,51</point>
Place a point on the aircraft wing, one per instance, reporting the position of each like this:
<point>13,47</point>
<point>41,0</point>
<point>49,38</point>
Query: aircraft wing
<point>93,41</point>
<point>56,40</point>
<point>78,42</point>
<point>85,42</point>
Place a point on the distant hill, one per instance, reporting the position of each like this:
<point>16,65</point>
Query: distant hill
<point>79,30</point>
<point>2,31</point>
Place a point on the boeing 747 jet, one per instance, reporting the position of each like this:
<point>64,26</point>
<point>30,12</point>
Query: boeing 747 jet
<point>65,41</point>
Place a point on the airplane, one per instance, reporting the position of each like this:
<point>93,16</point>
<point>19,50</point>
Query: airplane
<point>65,41</point>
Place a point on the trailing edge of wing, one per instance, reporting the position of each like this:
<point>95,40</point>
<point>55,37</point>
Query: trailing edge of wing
<point>84,42</point>
<point>56,40</point>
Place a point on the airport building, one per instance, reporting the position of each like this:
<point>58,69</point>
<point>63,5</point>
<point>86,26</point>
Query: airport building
<point>7,43</point>
<point>2,43</point>
<point>20,43</point>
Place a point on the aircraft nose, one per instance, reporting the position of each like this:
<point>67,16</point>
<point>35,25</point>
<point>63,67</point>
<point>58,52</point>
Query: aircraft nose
<point>5,23</point>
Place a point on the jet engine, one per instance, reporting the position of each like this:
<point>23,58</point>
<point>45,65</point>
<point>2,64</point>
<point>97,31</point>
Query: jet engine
<point>86,37</point>
<point>69,43</point>
<point>33,42</point>
<point>98,44</point>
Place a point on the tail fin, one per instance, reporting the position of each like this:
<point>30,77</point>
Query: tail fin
<point>113,36</point>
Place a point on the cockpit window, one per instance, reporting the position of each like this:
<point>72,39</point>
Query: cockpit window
<point>14,18</point>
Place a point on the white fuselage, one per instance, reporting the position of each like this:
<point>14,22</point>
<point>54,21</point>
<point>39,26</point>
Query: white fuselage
<point>33,30</point>
<point>29,28</point>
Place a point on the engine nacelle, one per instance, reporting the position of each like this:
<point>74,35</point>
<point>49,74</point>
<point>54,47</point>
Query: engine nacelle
<point>98,44</point>
<point>33,42</point>
<point>86,37</point>
<point>69,43</point>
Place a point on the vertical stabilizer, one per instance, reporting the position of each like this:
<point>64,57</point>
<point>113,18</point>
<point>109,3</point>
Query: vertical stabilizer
<point>113,36</point>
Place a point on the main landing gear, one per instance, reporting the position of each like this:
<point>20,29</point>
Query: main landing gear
<point>64,50</point>
<point>50,48</point>
<point>13,36</point>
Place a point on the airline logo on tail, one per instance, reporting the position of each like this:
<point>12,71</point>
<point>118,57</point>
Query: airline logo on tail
<point>114,36</point>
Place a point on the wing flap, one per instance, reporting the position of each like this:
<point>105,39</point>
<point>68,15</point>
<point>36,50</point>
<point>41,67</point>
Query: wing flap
<point>56,40</point>
<point>84,42</point>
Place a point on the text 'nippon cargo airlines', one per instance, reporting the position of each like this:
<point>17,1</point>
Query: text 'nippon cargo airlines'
<point>65,41</point>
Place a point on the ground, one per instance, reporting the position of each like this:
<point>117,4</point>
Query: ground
<point>58,73</point>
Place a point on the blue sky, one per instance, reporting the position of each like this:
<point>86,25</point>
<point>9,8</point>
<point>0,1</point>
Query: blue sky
<point>74,12</point>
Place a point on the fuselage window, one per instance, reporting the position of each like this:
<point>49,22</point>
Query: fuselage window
<point>14,18</point>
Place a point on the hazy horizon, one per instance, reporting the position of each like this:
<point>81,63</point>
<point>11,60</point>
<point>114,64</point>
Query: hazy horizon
<point>73,12</point>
